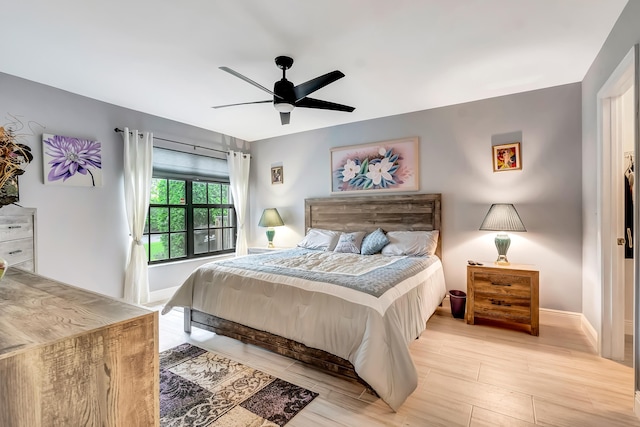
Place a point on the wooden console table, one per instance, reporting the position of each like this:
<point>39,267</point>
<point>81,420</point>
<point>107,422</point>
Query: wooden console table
<point>71,357</point>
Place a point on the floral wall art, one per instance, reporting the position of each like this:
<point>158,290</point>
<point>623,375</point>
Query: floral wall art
<point>71,161</point>
<point>379,166</point>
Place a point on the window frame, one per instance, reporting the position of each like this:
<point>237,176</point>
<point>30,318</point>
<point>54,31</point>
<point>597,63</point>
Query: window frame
<point>190,229</point>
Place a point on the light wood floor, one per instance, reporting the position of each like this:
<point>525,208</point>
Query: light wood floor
<point>470,375</point>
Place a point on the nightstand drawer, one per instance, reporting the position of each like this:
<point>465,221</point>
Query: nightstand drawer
<point>17,251</point>
<point>26,265</point>
<point>503,308</point>
<point>15,227</point>
<point>17,236</point>
<point>502,284</point>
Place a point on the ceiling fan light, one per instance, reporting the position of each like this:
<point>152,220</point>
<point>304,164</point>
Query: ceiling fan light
<point>284,107</point>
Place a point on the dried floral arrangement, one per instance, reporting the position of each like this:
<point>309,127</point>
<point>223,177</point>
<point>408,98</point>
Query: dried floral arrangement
<point>13,157</point>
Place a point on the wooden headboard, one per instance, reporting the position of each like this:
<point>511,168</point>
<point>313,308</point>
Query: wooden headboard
<point>418,212</point>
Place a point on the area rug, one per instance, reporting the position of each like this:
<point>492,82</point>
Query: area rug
<point>200,388</point>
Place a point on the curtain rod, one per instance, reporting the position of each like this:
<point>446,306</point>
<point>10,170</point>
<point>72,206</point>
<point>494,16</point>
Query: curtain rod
<point>176,142</point>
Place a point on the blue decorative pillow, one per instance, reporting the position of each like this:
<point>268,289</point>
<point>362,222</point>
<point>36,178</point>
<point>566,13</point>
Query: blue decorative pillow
<point>350,242</point>
<point>374,242</point>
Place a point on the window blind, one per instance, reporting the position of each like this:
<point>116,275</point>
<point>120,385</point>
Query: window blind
<point>178,164</point>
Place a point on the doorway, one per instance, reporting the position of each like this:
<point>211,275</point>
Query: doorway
<point>617,176</point>
<point>626,218</point>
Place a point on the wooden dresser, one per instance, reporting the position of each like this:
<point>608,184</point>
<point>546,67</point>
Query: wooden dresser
<point>71,357</point>
<point>18,236</point>
<point>508,294</point>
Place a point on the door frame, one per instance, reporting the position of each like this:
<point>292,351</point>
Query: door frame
<point>611,327</point>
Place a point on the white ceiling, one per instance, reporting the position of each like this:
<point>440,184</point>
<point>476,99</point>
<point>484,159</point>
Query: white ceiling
<point>162,57</point>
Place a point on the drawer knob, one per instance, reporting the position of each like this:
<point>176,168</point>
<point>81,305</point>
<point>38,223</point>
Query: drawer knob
<point>15,252</point>
<point>500,284</point>
<point>14,226</point>
<point>499,302</point>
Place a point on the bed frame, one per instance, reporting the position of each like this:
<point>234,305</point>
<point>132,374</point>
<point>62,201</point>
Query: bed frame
<point>418,212</point>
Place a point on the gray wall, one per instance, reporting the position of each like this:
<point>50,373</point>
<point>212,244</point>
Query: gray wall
<point>82,232</point>
<point>623,36</point>
<point>455,160</point>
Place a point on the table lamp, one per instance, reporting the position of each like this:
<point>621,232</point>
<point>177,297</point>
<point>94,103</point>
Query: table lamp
<point>502,217</point>
<point>270,218</point>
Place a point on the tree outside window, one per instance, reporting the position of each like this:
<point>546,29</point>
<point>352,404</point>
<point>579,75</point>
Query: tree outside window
<point>189,219</point>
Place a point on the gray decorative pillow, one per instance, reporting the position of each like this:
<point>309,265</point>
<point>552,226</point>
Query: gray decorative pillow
<point>374,242</point>
<point>350,242</point>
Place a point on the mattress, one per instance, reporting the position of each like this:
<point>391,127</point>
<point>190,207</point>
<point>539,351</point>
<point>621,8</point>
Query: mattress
<point>365,309</point>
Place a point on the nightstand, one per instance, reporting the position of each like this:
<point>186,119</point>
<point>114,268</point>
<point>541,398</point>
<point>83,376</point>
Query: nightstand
<point>508,294</point>
<point>262,250</point>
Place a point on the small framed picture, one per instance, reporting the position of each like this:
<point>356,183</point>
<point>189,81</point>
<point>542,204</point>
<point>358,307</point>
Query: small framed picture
<point>276,175</point>
<point>506,157</point>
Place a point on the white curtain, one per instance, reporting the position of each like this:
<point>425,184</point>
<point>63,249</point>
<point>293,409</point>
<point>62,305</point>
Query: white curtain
<point>239,180</point>
<point>138,167</point>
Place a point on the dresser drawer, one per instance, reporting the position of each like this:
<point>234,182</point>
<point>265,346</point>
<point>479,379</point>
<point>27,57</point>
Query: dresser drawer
<point>508,308</point>
<point>26,265</point>
<point>15,227</point>
<point>17,251</point>
<point>502,284</point>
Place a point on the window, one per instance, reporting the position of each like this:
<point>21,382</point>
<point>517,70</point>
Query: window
<point>188,218</point>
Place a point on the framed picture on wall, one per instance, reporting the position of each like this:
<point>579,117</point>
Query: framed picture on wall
<point>506,157</point>
<point>376,167</point>
<point>71,161</point>
<point>276,175</point>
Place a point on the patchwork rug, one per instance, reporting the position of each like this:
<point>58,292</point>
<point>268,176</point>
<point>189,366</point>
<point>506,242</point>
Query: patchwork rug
<point>200,388</point>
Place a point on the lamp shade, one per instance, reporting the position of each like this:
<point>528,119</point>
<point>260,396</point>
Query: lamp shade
<point>270,218</point>
<point>502,217</point>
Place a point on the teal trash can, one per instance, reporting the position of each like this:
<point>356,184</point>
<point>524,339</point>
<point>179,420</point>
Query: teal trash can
<point>458,303</point>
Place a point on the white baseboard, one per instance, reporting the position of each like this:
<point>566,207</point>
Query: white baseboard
<point>162,294</point>
<point>636,404</point>
<point>560,313</point>
<point>575,319</point>
<point>590,332</point>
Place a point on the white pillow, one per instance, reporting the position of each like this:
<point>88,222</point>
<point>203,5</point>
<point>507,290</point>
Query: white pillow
<point>350,242</point>
<point>412,243</point>
<point>319,239</point>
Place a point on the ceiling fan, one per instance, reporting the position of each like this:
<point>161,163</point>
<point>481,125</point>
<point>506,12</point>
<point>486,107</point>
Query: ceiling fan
<point>286,96</point>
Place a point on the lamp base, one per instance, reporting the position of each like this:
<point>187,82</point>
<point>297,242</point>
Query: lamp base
<point>502,260</point>
<point>502,244</point>
<point>270,233</point>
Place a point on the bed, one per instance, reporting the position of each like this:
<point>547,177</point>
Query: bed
<point>321,317</point>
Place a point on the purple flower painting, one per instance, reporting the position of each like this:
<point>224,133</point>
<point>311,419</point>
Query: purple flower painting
<point>72,161</point>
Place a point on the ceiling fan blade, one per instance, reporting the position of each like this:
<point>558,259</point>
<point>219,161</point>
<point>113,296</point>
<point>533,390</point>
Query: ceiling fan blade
<point>242,103</point>
<point>284,118</point>
<point>306,88</point>
<point>248,80</point>
<point>324,105</point>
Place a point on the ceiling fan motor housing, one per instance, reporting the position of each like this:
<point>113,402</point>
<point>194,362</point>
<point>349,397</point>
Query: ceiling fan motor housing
<point>284,89</point>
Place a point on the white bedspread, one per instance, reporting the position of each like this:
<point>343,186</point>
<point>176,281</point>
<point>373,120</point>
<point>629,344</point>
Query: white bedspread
<point>373,333</point>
